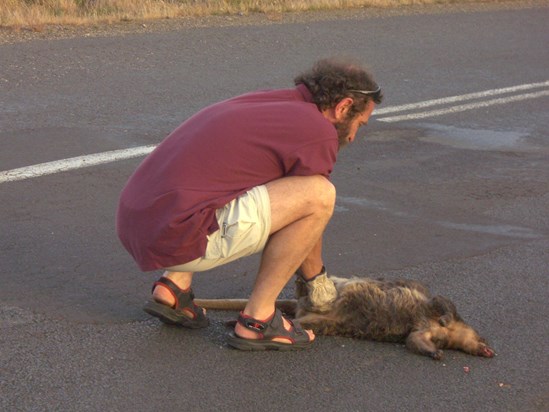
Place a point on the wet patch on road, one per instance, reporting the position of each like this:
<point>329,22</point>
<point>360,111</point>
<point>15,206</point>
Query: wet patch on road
<point>460,138</point>
<point>476,139</point>
<point>499,230</point>
<point>346,203</point>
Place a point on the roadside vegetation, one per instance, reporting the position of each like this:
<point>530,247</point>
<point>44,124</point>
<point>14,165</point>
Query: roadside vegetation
<point>37,13</point>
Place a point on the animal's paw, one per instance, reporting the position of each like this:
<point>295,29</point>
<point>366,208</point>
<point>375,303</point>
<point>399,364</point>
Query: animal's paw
<point>485,350</point>
<point>436,355</point>
<point>321,293</point>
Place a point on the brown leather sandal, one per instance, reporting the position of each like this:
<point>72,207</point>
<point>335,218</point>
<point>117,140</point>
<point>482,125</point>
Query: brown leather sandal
<point>178,313</point>
<point>267,330</point>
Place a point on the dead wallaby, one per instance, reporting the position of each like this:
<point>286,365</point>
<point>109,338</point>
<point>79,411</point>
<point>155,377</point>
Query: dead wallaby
<point>392,311</point>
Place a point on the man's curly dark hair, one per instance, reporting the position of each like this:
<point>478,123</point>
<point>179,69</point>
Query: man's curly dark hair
<point>331,80</point>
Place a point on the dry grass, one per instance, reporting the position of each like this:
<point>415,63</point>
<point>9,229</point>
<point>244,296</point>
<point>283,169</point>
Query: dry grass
<point>37,13</point>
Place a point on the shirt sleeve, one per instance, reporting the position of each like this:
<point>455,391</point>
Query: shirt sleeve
<point>315,158</point>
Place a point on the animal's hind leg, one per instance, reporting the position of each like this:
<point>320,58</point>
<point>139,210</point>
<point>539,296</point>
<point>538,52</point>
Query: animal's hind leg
<point>420,342</point>
<point>319,323</point>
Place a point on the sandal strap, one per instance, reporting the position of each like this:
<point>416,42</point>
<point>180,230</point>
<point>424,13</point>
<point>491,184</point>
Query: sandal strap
<point>273,327</point>
<point>183,297</point>
<point>254,324</point>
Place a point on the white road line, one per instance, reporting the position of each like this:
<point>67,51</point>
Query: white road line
<point>464,107</point>
<point>79,162</point>
<point>460,98</point>
<point>72,163</point>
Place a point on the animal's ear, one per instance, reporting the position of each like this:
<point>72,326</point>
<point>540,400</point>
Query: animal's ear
<point>445,320</point>
<point>443,306</point>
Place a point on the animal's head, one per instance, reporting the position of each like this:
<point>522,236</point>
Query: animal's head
<point>463,337</point>
<point>453,332</point>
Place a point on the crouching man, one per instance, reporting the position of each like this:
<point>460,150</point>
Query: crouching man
<point>243,176</point>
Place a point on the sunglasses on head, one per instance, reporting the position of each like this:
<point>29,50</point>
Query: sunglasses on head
<point>366,92</point>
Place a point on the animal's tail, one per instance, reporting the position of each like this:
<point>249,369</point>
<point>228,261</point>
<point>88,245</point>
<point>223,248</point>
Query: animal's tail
<point>287,306</point>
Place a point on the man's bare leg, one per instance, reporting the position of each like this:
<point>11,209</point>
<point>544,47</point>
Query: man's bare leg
<point>301,207</point>
<point>312,265</point>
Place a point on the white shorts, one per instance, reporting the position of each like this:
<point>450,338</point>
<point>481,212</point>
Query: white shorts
<point>244,228</point>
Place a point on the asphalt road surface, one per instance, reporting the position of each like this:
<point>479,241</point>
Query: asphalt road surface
<point>448,184</point>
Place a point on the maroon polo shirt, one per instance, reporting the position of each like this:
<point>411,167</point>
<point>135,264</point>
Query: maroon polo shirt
<point>168,205</point>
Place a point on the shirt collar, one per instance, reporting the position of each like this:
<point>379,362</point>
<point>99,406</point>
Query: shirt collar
<point>307,96</point>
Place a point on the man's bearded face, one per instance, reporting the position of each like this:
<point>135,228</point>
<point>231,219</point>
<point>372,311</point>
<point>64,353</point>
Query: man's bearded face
<point>344,132</point>
<point>348,127</point>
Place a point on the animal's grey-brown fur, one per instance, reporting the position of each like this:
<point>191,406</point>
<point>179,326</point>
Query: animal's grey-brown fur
<point>395,311</point>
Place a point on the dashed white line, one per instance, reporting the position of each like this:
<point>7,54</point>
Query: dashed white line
<point>460,98</point>
<point>464,107</point>
<point>72,163</point>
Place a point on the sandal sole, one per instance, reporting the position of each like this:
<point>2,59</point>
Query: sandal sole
<point>170,316</point>
<point>263,345</point>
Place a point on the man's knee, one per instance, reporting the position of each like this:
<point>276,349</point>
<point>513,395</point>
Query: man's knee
<point>322,193</point>
<point>293,198</point>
